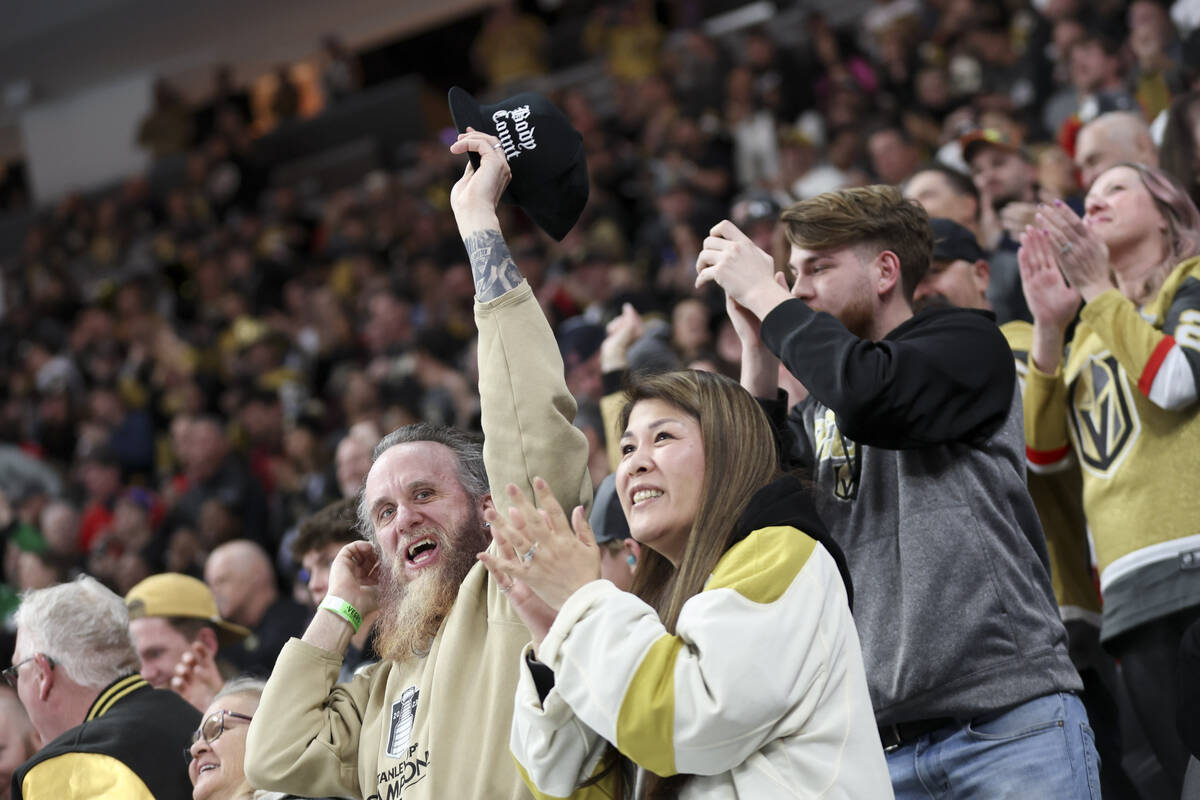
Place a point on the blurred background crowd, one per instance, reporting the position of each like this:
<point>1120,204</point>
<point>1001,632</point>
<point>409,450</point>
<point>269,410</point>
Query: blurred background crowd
<point>207,352</point>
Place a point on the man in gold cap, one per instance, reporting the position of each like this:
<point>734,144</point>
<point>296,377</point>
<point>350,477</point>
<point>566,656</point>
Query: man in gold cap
<point>173,620</point>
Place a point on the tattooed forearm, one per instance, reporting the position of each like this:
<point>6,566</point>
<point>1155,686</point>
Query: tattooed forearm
<point>493,267</point>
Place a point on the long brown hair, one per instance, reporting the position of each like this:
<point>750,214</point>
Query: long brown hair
<point>740,458</point>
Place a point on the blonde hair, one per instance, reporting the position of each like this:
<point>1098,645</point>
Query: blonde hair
<point>1182,238</point>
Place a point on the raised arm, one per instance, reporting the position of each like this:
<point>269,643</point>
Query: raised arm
<point>526,409</point>
<point>948,380</point>
<point>622,331</point>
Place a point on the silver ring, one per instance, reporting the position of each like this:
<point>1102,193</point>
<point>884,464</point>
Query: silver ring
<point>1066,248</point>
<point>505,589</point>
<point>497,147</point>
<point>528,557</point>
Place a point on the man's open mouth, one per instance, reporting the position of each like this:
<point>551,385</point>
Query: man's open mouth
<point>421,551</point>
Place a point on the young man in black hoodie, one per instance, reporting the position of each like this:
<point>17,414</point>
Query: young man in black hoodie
<point>916,444</point>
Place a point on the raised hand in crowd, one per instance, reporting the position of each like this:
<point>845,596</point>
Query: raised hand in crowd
<point>1051,300</point>
<point>745,270</point>
<point>197,678</point>
<point>622,331</point>
<point>1082,257</point>
<point>475,195</point>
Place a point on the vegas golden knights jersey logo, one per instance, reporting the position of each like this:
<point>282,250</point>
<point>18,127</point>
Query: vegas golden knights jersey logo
<point>1104,419</point>
<point>839,451</point>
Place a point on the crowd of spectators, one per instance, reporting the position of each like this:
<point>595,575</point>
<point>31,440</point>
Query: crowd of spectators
<point>186,378</point>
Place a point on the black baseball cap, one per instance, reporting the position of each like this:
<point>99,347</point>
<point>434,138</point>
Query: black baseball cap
<point>755,207</point>
<point>608,518</point>
<point>578,340</point>
<point>952,242</point>
<point>545,153</point>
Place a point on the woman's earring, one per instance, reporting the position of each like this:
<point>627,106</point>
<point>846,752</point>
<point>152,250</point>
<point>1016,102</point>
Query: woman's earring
<point>631,560</point>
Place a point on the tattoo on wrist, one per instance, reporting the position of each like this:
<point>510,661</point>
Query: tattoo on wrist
<point>492,266</point>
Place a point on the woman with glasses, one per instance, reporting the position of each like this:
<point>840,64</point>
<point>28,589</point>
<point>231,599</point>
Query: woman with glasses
<point>1122,399</point>
<point>217,755</point>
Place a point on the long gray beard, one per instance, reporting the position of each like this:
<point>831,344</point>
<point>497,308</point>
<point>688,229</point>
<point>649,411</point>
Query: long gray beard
<point>411,614</point>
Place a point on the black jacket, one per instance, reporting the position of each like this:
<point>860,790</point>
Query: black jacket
<point>144,728</point>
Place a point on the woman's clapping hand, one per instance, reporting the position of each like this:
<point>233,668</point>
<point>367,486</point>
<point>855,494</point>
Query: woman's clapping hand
<point>540,547</point>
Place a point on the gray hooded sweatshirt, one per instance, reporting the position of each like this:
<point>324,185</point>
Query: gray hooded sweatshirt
<point>916,445</point>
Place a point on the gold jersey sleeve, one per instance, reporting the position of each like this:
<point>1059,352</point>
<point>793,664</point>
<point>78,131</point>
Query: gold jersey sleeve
<point>1058,496</point>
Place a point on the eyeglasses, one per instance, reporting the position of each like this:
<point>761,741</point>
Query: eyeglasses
<point>10,673</point>
<point>211,729</point>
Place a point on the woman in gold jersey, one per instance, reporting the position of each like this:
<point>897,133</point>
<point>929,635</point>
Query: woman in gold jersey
<point>1122,399</point>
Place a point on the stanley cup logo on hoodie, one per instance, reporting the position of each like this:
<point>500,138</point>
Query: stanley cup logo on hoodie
<point>404,712</point>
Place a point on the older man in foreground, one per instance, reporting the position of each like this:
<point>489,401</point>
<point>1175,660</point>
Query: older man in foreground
<point>108,732</point>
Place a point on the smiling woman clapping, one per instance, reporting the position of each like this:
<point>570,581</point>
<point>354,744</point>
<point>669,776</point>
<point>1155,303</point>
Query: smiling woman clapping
<point>734,668</point>
<point>1123,402</point>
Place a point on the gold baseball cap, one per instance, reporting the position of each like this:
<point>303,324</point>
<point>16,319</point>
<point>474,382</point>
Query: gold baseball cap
<point>171,594</point>
<point>974,141</point>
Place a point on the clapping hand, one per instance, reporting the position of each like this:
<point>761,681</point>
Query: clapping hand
<point>540,548</point>
<point>1051,299</point>
<point>1080,254</point>
<point>741,268</point>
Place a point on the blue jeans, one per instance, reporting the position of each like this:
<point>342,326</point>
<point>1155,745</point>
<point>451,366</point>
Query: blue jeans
<point>1040,749</point>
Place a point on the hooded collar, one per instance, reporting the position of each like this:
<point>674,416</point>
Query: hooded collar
<point>786,501</point>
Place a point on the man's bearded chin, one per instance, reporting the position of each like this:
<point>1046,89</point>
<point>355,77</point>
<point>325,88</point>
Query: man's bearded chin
<point>411,613</point>
<point>858,316</point>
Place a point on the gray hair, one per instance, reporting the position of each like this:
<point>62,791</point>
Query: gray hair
<point>468,453</point>
<point>83,627</point>
<point>244,684</point>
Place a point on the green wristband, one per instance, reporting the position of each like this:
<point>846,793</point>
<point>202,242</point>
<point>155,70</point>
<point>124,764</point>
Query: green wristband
<point>343,609</point>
